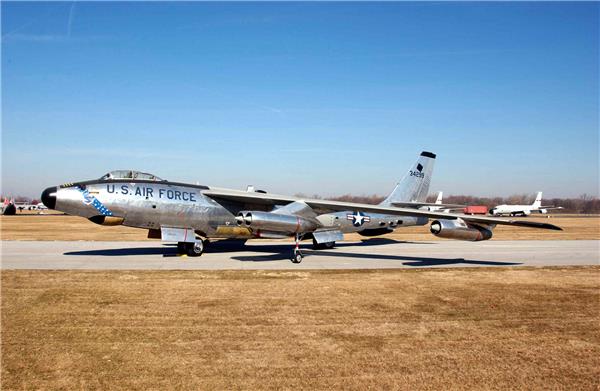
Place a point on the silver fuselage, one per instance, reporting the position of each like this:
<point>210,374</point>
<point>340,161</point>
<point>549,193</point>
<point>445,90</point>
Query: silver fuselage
<point>156,204</point>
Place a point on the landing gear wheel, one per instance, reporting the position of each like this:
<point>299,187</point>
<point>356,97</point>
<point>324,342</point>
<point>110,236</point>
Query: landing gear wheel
<point>297,257</point>
<point>195,249</point>
<point>323,246</point>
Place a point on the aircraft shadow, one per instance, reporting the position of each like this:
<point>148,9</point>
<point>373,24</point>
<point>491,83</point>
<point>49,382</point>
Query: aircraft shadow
<point>282,251</point>
<point>286,247</point>
<point>224,246</point>
<point>118,252</point>
<point>407,260</point>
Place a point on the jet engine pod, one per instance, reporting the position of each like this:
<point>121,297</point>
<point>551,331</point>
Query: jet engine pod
<point>106,220</point>
<point>458,229</point>
<point>275,222</point>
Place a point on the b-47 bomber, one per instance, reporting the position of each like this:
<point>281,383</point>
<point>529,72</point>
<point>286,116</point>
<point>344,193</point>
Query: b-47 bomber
<point>192,214</point>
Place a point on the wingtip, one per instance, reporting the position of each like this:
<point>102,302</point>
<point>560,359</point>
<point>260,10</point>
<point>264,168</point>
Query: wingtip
<point>533,224</point>
<point>551,226</point>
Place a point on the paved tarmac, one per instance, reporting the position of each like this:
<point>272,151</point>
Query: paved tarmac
<point>368,254</point>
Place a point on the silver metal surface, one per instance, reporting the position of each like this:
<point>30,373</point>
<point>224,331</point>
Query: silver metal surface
<point>276,222</point>
<point>328,236</point>
<point>185,235</point>
<point>458,229</point>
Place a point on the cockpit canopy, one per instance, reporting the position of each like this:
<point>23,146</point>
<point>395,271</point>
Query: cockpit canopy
<point>130,174</point>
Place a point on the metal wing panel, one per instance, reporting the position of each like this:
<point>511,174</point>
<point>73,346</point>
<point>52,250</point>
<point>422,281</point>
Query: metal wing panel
<point>249,197</point>
<point>338,206</point>
<point>342,206</point>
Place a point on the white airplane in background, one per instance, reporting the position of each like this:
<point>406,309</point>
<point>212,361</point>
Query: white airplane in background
<point>523,210</point>
<point>438,201</point>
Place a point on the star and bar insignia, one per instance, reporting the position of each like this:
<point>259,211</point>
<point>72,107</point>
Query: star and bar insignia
<point>358,218</point>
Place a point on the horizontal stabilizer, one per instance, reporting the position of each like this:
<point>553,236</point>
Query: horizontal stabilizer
<point>420,204</point>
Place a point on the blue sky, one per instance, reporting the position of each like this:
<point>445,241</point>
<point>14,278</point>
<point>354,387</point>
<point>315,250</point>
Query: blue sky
<point>325,98</point>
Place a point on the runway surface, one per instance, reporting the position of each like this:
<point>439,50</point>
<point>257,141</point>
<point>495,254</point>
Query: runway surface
<point>369,254</point>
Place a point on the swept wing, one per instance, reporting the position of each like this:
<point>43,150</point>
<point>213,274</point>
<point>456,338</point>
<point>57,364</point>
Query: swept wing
<point>338,206</point>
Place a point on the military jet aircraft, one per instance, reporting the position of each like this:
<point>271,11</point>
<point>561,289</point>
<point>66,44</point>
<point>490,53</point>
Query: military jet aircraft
<point>192,214</point>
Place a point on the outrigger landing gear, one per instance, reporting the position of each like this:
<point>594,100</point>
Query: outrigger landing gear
<point>297,255</point>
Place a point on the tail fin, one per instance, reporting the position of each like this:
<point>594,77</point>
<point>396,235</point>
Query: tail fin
<point>538,200</point>
<point>414,186</point>
<point>439,197</point>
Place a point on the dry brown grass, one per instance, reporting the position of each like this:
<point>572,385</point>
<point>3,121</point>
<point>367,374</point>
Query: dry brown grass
<point>62,227</point>
<point>429,329</point>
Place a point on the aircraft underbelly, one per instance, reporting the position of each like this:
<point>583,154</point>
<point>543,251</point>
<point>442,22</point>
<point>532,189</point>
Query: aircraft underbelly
<point>349,222</point>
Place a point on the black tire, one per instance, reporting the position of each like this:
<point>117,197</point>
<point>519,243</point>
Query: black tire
<point>297,257</point>
<point>195,249</point>
<point>317,246</point>
<point>323,246</point>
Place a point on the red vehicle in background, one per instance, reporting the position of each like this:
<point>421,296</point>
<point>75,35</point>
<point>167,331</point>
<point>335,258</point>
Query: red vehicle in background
<point>475,210</point>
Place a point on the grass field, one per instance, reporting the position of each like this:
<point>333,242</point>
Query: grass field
<point>62,227</point>
<point>428,329</point>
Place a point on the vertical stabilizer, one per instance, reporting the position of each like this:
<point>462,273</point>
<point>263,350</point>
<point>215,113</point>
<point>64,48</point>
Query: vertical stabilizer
<point>414,186</point>
<point>439,197</point>
<point>538,200</point>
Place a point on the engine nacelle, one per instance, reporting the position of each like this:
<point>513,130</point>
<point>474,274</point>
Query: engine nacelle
<point>275,222</point>
<point>459,230</point>
<point>106,220</point>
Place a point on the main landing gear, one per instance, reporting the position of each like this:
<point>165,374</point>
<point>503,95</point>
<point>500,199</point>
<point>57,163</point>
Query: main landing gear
<point>297,254</point>
<point>194,249</point>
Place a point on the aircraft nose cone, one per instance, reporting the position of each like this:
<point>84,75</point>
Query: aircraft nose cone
<point>49,197</point>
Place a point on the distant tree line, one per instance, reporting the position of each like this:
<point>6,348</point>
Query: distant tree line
<point>21,199</point>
